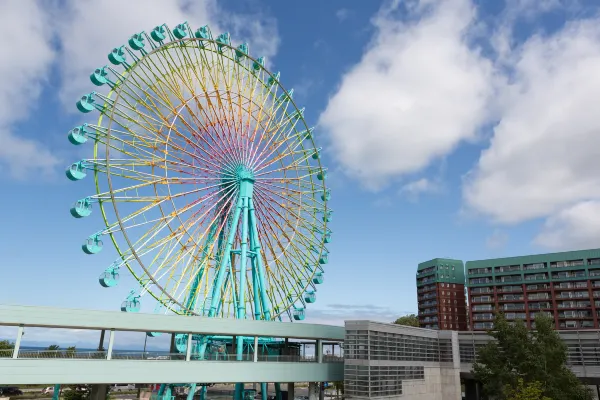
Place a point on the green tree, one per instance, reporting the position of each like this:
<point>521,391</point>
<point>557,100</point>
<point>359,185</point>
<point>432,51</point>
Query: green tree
<point>6,348</point>
<point>533,356</point>
<point>77,392</point>
<point>525,391</point>
<point>408,320</point>
<point>71,350</point>
<point>51,351</point>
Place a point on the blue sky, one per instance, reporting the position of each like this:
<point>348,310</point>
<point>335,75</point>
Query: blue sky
<point>456,128</point>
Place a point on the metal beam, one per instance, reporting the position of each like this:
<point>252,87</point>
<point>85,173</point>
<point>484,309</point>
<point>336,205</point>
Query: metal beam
<point>50,317</point>
<point>69,371</point>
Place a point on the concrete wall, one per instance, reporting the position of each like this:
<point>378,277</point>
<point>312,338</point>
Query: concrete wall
<point>439,384</point>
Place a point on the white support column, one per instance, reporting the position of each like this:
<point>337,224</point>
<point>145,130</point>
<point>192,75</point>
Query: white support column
<point>20,332</point>
<point>255,348</point>
<point>188,352</point>
<point>111,341</point>
<point>319,350</point>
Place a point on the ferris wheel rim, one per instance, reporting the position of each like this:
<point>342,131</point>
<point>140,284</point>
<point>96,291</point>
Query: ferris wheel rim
<point>123,230</point>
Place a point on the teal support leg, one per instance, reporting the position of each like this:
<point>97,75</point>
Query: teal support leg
<point>260,270</point>
<point>56,392</point>
<point>203,393</point>
<point>264,391</point>
<point>161,390</point>
<point>239,391</point>
<point>241,310</point>
<point>167,394</point>
<point>216,290</point>
<point>190,395</point>
<point>278,391</point>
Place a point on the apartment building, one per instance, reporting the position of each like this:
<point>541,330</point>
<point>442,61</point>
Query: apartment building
<point>441,294</point>
<point>563,285</point>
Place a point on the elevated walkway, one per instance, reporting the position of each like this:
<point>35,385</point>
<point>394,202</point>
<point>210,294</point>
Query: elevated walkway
<point>63,367</point>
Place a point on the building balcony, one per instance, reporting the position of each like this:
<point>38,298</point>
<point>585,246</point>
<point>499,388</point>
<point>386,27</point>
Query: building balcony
<point>536,277</point>
<point>428,304</point>
<point>573,304</point>
<point>539,296</point>
<point>483,307</point>
<point>483,325</point>
<point>483,317</point>
<point>509,278</point>
<point>479,271</point>
<point>567,264</point>
<point>512,268</point>
<point>482,299</point>
<point>570,285</point>
<point>511,297</point>
<point>481,290</point>
<point>426,271</point>
<point>510,289</point>
<point>530,267</point>
<point>532,315</point>
<point>480,281</point>
<point>537,286</point>
<point>576,324</point>
<point>513,307</point>
<point>569,275</point>
<point>575,314</point>
<point>539,306</point>
<point>573,295</point>
<point>512,316</point>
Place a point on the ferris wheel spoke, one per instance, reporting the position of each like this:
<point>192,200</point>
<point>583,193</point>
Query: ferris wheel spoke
<point>284,274</point>
<point>308,243</point>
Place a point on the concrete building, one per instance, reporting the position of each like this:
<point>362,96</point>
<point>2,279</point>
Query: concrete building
<point>564,285</point>
<point>400,362</point>
<point>441,294</point>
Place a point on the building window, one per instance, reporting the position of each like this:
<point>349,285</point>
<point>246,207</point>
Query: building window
<point>452,268</point>
<point>445,325</point>
<point>453,285</point>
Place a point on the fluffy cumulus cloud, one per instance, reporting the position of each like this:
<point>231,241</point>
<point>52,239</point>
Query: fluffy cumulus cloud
<point>89,30</point>
<point>571,228</point>
<point>543,159</point>
<point>25,57</point>
<point>75,36</point>
<point>418,91</point>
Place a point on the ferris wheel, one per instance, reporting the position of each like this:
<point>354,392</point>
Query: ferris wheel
<point>207,178</point>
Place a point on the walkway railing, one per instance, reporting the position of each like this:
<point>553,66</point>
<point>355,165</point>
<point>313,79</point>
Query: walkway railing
<point>156,356</point>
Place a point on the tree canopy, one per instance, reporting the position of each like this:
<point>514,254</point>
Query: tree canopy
<point>408,320</point>
<point>526,391</point>
<point>530,358</point>
<point>6,345</point>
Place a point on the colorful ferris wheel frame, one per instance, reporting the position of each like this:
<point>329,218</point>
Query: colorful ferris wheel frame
<point>219,203</point>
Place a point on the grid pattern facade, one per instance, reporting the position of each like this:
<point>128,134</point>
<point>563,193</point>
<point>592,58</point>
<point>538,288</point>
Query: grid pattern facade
<point>441,294</point>
<point>379,357</point>
<point>563,285</point>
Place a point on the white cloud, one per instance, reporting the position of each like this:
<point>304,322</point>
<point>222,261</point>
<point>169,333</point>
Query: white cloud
<point>86,40</point>
<point>418,91</point>
<point>25,57</point>
<point>574,227</point>
<point>421,186</point>
<point>543,158</point>
<point>336,314</point>
<point>342,14</point>
<point>497,240</point>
